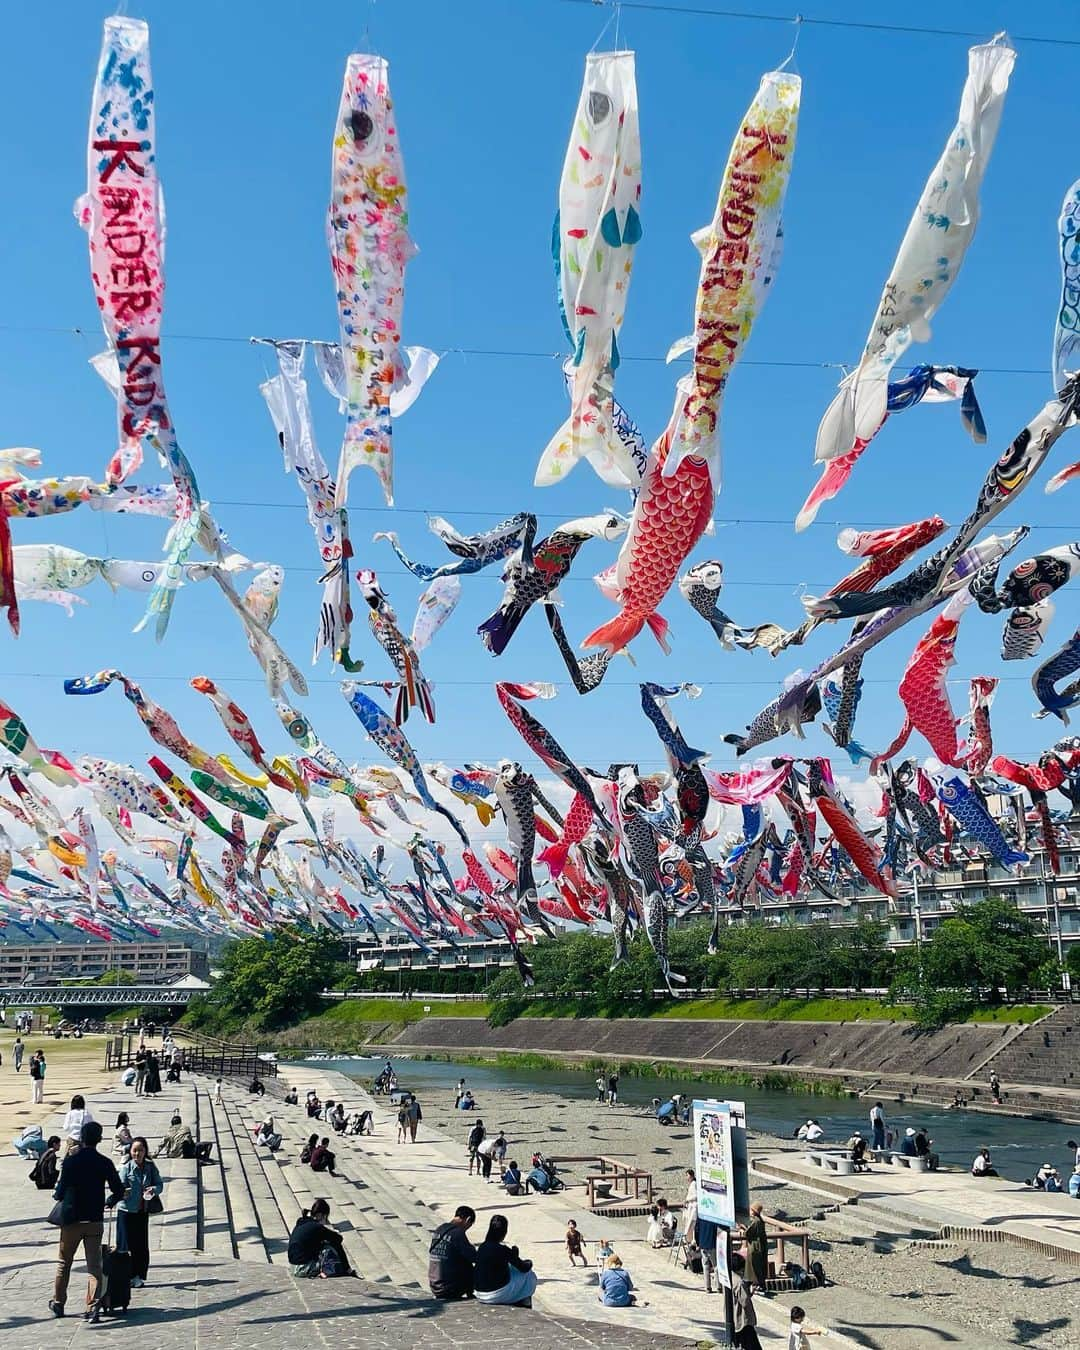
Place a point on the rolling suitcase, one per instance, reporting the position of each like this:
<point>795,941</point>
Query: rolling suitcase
<point>115,1292</point>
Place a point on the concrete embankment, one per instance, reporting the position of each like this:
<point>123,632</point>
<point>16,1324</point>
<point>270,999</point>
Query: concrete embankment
<point>892,1059</point>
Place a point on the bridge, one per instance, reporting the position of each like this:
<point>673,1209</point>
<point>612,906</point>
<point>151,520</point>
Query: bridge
<point>96,996</point>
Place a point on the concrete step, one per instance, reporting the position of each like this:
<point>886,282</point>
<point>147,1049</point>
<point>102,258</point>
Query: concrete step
<point>243,1220</point>
<point>383,1220</point>
<point>275,1231</point>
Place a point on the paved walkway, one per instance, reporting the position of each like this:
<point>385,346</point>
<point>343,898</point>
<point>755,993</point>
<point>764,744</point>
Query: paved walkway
<point>951,1200</point>
<point>199,1301</point>
<point>436,1166</point>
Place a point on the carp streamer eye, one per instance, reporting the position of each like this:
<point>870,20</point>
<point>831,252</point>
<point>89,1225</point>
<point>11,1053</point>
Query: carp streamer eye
<point>297,728</point>
<point>599,107</point>
<point>361,125</point>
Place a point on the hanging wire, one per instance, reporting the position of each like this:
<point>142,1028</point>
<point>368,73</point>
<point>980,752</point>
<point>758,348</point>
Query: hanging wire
<point>914,30</point>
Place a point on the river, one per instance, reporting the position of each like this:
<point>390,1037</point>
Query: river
<point>1018,1146</point>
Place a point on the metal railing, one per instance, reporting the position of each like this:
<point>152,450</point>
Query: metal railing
<point>202,1054</point>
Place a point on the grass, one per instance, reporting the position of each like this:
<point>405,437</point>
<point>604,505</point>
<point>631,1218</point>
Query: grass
<point>772,1010</point>
<point>350,1024</point>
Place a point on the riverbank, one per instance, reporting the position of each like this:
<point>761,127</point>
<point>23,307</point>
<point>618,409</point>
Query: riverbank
<point>948,1282</point>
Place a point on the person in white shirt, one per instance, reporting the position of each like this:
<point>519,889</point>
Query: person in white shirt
<point>798,1331</point>
<point>485,1152</point>
<point>877,1126</point>
<point>982,1167</point>
<point>689,1209</point>
<point>76,1118</point>
<point>814,1132</point>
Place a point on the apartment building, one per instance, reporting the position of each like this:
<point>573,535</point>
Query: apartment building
<point>146,962</point>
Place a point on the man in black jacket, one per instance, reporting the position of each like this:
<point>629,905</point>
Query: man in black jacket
<point>81,1191</point>
<point>452,1257</point>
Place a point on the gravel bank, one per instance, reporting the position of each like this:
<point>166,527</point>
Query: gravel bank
<point>1007,1295</point>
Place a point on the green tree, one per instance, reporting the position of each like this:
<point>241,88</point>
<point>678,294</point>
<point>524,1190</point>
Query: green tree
<point>270,983</point>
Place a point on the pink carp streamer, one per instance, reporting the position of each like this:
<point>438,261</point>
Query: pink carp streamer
<point>739,255</point>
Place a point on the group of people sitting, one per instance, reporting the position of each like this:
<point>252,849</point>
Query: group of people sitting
<point>490,1273</point>
<point>318,1155</point>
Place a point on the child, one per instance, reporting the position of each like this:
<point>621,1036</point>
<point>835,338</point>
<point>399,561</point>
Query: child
<point>574,1242</point>
<point>217,1092</point>
<point>799,1331</point>
<point>603,1251</point>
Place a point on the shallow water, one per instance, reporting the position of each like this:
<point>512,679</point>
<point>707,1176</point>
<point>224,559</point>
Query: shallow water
<point>1017,1146</point>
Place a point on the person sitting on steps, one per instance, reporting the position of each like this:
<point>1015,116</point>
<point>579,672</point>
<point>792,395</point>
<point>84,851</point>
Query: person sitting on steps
<point>501,1275</point>
<point>317,1251</point>
<point>322,1158</point>
<point>452,1257</point>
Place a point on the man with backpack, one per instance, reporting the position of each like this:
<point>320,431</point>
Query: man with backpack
<point>80,1193</point>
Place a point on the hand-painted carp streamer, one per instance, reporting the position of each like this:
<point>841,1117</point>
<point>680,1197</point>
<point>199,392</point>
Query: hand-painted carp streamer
<point>931,254</point>
<point>924,384</point>
<point>434,607</point>
<point>160,724</point>
<point>739,256</point>
<point>256,612</point>
<point>413,690</point>
<point>368,233</point>
<point>237,723</point>
<point>122,214</point>
<point>286,396</point>
<point>596,229</point>
<point>390,739</point>
<point>1067,327</point>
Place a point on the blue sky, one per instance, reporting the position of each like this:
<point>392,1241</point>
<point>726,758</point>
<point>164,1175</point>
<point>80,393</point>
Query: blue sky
<point>246,99</point>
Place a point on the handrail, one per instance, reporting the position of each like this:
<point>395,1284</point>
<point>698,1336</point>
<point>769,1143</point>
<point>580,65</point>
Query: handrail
<point>222,1060</point>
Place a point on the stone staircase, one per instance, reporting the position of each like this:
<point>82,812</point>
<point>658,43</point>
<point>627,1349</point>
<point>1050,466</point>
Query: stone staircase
<point>251,1197</point>
<point>855,1225</point>
<point>1047,1053</point>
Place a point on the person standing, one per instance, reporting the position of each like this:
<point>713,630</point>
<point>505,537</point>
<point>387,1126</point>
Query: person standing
<point>745,1316</point>
<point>877,1126</point>
<point>475,1139</point>
<point>152,1081</point>
<point>757,1247</point>
<point>17,1053</point>
<point>689,1209</point>
<point>37,1077</point>
<point>613,1087</point>
<point>81,1195</point>
<point>459,1093</point>
<point>140,1070</point>
<point>601,1087</point>
<point>76,1118</point>
<point>995,1087</point>
<point>415,1116</point>
<point>142,1182</point>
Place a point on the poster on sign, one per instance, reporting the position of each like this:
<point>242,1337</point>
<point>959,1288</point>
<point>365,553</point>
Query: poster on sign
<point>713,1162</point>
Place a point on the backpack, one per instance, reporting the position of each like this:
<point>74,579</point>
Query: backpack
<point>818,1272</point>
<point>797,1276</point>
<point>305,1153</point>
